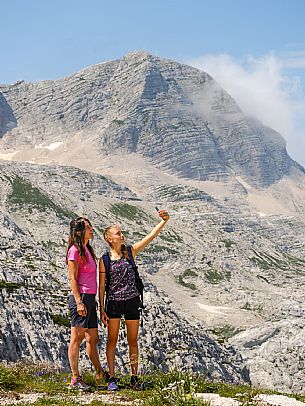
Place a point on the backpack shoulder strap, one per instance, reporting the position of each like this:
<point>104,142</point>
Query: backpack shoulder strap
<point>131,258</point>
<point>139,281</point>
<point>106,260</point>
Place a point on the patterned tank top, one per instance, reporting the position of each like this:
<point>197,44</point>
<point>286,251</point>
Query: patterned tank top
<point>122,284</point>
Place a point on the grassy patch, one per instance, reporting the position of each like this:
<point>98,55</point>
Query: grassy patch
<point>294,260</point>
<point>188,285</point>
<point>266,261</point>
<point>7,379</point>
<point>189,272</point>
<point>180,193</point>
<point>25,194</point>
<point>61,320</point>
<point>224,332</point>
<point>118,122</point>
<point>38,378</point>
<point>129,212</point>
<point>214,277</point>
<point>170,236</point>
<point>283,261</point>
<point>228,243</point>
<point>10,286</point>
<point>172,388</point>
<point>155,248</point>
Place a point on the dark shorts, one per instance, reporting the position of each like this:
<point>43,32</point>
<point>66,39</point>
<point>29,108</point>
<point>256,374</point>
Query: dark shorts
<point>90,321</point>
<point>129,308</point>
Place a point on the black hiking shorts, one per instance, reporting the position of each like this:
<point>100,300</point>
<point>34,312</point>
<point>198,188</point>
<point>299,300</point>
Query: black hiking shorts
<point>130,308</point>
<point>90,320</point>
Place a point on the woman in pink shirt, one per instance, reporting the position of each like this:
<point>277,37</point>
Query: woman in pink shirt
<point>81,261</point>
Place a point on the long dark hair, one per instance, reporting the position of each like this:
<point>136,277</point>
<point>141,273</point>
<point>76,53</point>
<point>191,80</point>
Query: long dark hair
<point>76,237</point>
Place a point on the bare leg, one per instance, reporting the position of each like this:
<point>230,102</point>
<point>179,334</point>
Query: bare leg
<point>91,348</point>
<point>113,333</point>
<point>77,336</point>
<point>132,338</point>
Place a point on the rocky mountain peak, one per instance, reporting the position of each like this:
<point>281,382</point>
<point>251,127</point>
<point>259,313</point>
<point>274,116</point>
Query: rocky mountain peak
<point>175,116</point>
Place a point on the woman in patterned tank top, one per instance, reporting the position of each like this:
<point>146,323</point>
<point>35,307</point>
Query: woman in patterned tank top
<point>123,298</point>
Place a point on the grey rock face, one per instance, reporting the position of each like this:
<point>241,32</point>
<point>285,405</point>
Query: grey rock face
<point>175,116</point>
<point>217,264</point>
<point>36,208</point>
<point>274,353</point>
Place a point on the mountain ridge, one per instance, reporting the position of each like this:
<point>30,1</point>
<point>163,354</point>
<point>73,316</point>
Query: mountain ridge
<point>152,106</point>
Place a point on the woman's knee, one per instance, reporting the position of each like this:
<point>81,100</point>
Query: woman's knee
<point>76,338</point>
<point>132,341</point>
<point>92,339</point>
<point>112,341</point>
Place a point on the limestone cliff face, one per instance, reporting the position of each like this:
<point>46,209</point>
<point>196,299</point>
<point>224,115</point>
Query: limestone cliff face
<point>37,205</point>
<point>175,116</point>
<point>218,267</point>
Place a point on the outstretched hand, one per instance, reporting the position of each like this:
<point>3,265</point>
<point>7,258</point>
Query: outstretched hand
<point>164,215</point>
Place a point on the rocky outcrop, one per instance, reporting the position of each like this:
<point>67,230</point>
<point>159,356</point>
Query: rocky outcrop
<point>274,354</point>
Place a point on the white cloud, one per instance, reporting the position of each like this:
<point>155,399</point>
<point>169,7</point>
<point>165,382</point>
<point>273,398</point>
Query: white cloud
<point>265,88</point>
<point>294,59</point>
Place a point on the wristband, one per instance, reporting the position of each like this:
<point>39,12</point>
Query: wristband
<point>79,302</point>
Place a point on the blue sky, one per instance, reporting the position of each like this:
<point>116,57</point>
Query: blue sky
<point>255,49</point>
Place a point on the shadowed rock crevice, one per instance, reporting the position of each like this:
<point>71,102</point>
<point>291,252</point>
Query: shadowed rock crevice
<point>7,118</point>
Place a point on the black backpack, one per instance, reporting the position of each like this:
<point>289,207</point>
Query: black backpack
<point>138,280</point>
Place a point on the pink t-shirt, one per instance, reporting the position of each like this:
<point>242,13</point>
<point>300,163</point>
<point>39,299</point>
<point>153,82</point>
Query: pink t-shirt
<point>86,277</point>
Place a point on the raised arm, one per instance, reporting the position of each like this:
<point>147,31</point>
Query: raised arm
<point>140,245</point>
<point>73,272</point>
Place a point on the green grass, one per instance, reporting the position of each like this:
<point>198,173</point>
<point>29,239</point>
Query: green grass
<point>129,212</point>
<point>189,272</point>
<point>228,243</point>
<point>172,388</point>
<point>61,320</point>
<point>26,195</point>
<point>10,286</point>
<point>214,277</point>
<point>7,379</point>
<point>170,236</point>
<point>156,248</point>
<point>282,261</point>
<point>188,285</point>
<point>118,122</point>
<point>180,193</point>
<point>224,332</point>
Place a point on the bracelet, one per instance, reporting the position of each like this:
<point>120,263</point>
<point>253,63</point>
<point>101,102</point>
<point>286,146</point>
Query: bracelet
<point>79,302</point>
